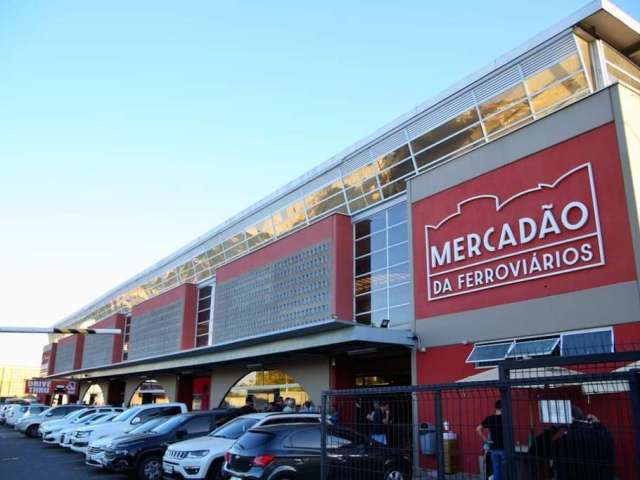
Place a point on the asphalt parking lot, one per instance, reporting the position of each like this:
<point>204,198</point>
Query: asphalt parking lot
<point>23,458</point>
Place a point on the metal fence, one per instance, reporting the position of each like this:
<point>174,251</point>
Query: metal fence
<point>547,418</point>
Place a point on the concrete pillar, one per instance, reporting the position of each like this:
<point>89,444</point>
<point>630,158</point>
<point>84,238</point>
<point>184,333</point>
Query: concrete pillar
<point>131,385</point>
<point>222,379</point>
<point>83,387</point>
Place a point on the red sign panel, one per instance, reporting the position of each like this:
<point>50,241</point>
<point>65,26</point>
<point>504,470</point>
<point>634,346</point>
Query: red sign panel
<point>549,229</point>
<point>550,223</point>
<point>42,385</point>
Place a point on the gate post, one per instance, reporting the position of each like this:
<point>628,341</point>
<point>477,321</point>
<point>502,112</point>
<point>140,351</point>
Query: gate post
<point>323,437</point>
<point>634,397</point>
<point>507,431</point>
<point>437,397</point>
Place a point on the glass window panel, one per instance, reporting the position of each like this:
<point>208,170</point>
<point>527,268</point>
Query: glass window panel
<point>366,201</point>
<point>375,223</point>
<point>237,250</point>
<point>363,303</point>
<point>259,232</point>
<point>398,234</point>
<point>399,295</point>
<point>203,316</point>
<point>204,303</point>
<point>448,146</point>
<point>370,244</point>
<point>365,318</point>
<point>358,204</point>
<point>393,173</point>
<point>585,52</point>
<point>552,74</point>
<point>507,117</point>
<point>326,206</point>
<point>397,213</point>
<point>399,274</point>
<point>502,100</point>
<point>202,341</point>
<point>375,261</point>
<point>463,120</point>
<point>215,250</point>
<point>487,353</point>
<point>385,161</point>
<point>511,127</point>
<point>379,279</point>
<point>231,242</point>
<point>363,284</point>
<point>379,316</point>
<point>559,92</point>
<point>368,185</point>
<point>400,316</point>
<point>394,188</point>
<point>587,343</point>
<point>372,301</point>
<point>358,176</point>
<point>203,329</point>
<point>289,218</point>
<point>217,260</point>
<point>532,348</point>
<point>324,193</point>
<point>399,253</point>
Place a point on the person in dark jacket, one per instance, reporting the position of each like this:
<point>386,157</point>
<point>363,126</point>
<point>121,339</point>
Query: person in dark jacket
<point>585,451</point>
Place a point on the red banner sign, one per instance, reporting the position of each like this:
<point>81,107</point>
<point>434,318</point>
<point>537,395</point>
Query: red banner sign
<point>42,385</point>
<point>487,242</point>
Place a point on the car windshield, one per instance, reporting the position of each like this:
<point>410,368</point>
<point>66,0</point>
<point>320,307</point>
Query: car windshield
<point>169,425</point>
<point>36,409</point>
<point>23,409</point>
<point>104,418</point>
<point>145,427</point>
<point>73,415</point>
<point>233,430</point>
<point>127,414</point>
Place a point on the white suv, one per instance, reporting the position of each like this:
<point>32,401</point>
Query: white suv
<point>124,422</point>
<point>202,457</point>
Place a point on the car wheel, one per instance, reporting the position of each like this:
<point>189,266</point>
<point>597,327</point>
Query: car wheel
<point>215,471</point>
<point>150,468</point>
<point>32,431</point>
<point>394,474</point>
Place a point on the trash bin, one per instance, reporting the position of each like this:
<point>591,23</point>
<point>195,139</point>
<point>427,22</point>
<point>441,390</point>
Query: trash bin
<point>427,434</point>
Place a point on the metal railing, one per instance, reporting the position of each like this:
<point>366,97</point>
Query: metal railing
<point>559,418</point>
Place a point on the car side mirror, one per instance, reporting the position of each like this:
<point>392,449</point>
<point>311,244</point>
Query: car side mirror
<point>136,421</point>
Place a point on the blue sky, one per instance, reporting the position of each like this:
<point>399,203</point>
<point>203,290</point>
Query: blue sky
<point>129,128</point>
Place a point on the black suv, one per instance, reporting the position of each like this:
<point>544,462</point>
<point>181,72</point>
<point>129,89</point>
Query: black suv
<point>141,454</point>
<point>288,452</point>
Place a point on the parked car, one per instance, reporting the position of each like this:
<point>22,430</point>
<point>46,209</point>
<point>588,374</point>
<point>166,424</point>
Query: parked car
<point>3,411</point>
<point>293,452</point>
<point>50,431</point>
<point>30,425</point>
<point>95,451</point>
<point>124,422</point>
<point>203,457</point>
<point>23,411</point>
<point>142,453</point>
<point>66,434</point>
<point>13,414</point>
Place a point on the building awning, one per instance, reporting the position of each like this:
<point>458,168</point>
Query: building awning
<point>318,338</point>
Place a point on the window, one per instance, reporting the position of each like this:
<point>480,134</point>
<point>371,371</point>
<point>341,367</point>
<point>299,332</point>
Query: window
<point>382,283</point>
<point>306,439</point>
<point>200,424</point>
<point>533,348</point>
<point>555,411</point>
<point>587,343</point>
<point>204,314</point>
<point>125,338</point>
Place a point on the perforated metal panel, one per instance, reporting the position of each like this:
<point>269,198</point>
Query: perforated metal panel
<point>156,332</point>
<point>448,109</point>
<point>497,84</point>
<point>355,162</point>
<point>64,357</point>
<point>388,144</point>
<point>549,55</point>
<point>291,292</point>
<point>98,350</point>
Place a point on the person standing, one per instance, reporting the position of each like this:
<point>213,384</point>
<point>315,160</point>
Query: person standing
<point>375,420</point>
<point>493,423</point>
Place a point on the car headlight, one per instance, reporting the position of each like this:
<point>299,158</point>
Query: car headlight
<point>84,434</point>
<point>197,453</point>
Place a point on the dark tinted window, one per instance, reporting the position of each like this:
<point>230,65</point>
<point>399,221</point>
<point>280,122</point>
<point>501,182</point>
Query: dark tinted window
<point>251,440</point>
<point>306,439</point>
<point>233,430</point>
<point>280,420</point>
<point>170,411</point>
<point>200,424</point>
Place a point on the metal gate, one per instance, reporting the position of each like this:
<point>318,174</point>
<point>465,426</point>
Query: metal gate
<point>559,418</point>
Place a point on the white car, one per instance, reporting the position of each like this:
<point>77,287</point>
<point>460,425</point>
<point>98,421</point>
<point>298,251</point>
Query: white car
<point>95,452</point>
<point>124,422</point>
<point>13,414</point>
<point>50,430</point>
<point>202,457</point>
<point>66,434</point>
<point>31,424</point>
<point>22,411</point>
